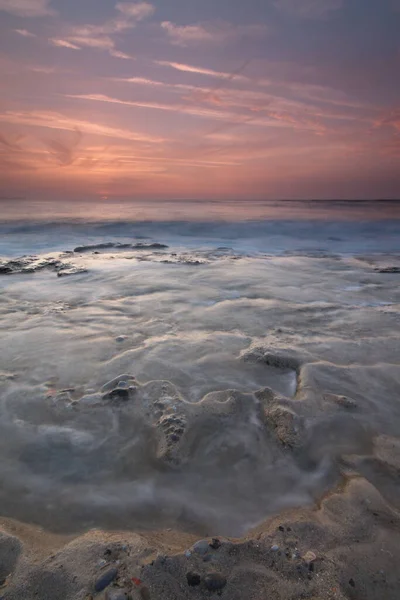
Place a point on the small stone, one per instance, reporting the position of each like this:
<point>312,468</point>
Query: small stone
<point>193,579</point>
<point>352,582</point>
<point>188,554</point>
<point>214,581</point>
<point>117,594</point>
<point>145,593</point>
<point>275,548</point>
<point>105,579</point>
<point>201,547</point>
<point>121,338</point>
<point>102,563</point>
<point>309,557</point>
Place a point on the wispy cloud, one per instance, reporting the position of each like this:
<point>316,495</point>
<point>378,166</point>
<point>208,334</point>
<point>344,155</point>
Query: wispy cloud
<point>54,120</point>
<point>137,11</point>
<point>27,8</point>
<point>64,44</point>
<point>200,70</point>
<point>102,36</point>
<point>214,32</point>
<point>25,33</point>
<point>308,9</point>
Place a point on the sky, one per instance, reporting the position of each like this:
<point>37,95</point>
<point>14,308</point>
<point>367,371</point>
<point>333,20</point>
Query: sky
<point>191,99</point>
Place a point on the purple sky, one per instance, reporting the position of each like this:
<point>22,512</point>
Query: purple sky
<point>200,99</point>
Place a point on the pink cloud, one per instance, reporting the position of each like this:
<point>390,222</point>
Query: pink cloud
<point>25,33</point>
<point>137,11</point>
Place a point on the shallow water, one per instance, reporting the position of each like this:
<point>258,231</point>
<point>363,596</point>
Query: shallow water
<point>71,461</point>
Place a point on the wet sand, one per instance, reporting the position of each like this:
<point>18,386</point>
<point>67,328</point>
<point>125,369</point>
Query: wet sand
<point>155,398</point>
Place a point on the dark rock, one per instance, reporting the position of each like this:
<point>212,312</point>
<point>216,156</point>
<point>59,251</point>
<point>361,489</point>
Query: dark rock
<point>214,581</point>
<point>154,246</point>
<point>193,579</point>
<point>388,270</point>
<point>105,579</point>
<point>117,394</point>
<point>352,582</point>
<point>281,528</point>
<point>215,544</point>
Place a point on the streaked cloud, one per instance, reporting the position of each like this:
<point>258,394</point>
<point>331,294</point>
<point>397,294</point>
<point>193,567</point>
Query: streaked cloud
<point>54,120</point>
<point>200,70</point>
<point>212,32</point>
<point>25,33</point>
<point>27,8</point>
<point>308,9</point>
<point>64,44</point>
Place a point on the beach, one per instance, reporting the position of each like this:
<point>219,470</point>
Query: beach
<point>200,409</point>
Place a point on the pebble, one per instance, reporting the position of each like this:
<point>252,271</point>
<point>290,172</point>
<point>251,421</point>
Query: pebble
<point>309,557</point>
<point>201,547</point>
<point>215,544</point>
<point>105,579</point>
<point>214,581</point>
<point>193,579</point>
<point>274,548</point>
<point>145,593</point>
<point>117,594</point>
<point>123,385</point>
<point>121,338</point>
<point>188,554</point>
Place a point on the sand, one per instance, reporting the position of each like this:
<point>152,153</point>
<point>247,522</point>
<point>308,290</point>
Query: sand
<point>180,423</point>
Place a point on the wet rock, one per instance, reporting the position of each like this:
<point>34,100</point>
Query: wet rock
<point>113,383</point>
<point>388,270</point>
<point>105,579</point>
<point>67,271</point>
<point>214,581</point>
<point>123,385</point>
<point>201,547</point>
<point>117,394</point>
<point>215,544</point>
<point>193,579</point>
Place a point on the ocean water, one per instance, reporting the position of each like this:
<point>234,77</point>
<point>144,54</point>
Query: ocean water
<point>243,336</point>
<point>247,227</point>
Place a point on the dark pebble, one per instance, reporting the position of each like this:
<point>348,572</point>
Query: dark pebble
<point>281,528</point>
<point>193,579</point>
<point>105,579</point>
<point>214,581</point>
<point>145,593</point>
<point>215,544</point>
<point>352,582</point>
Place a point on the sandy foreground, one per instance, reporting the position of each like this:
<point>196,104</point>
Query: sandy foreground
<point>178,424</point>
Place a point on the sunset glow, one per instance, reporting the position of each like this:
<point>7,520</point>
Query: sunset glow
<point>279,99</point>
